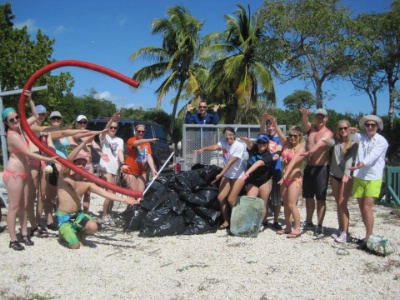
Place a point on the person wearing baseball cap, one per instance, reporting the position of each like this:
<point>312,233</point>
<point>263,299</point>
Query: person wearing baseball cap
<point>316,173</point>
<point>368,171</point>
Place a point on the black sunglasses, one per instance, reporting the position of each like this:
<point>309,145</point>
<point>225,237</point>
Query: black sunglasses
<point>293,135</point>
<point>343,128</point>
<point>202,106</point>
<point>82,122</point>
<point>12,120</point>
<point>113,127</point>
<point>373,125</point>
<point>55,118</point>
<point>140,131</point>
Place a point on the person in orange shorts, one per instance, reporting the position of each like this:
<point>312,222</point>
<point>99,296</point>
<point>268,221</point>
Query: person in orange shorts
<point>139,154</point>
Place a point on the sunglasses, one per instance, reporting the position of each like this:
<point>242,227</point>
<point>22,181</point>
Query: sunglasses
<point>12,120</point>
<point>228,135</point>
<point>373,125</point>
<point>113,127</point>
<point>343,128</point>
<point>293,135</point>
<point>202,106</point>
<point>140,131</point>
<point>82,122</point>
<point>55,119</point>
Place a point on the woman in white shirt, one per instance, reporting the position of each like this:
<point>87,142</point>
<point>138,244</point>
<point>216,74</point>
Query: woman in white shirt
<point>233,153</point>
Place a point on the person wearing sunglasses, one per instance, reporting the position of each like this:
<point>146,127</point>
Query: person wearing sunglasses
<point>316,173</point>
<point>291,181</point>
<point>259,169</point>
<point>16,173</point>
<point>202,117</point>
<point>233,154</point>
<point>368,171</point>
<point>75,224</point>
<point>139,155</point>
<point>343,156</point>
<point>113,147</point>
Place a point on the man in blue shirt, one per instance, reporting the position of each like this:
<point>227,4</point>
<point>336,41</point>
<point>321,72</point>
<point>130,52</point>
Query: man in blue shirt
<point>202,117</point>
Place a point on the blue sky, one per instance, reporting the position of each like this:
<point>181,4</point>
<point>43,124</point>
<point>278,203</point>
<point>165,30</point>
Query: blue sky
<point>108,32</point>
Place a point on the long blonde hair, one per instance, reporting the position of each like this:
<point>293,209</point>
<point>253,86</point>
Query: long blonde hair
<point>347,141</point>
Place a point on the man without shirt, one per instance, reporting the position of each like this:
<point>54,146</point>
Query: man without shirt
<point>73,223</point>
<point>316,173</point>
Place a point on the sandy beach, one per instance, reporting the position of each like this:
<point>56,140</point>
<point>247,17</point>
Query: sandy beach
<point>116,265</point>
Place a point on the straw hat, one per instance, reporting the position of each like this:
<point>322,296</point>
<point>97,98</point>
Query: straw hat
<point>373,118</point>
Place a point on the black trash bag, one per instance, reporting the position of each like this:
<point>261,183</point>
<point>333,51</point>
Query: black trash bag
<point>155,196</point>
<point>133,216</point>
<point>162,222</point>
<point>207,172</point>
<point>173,202</point>
<point>186,181</point>
<point>201,197</point>
<point>212,216</point>
<point>196,224</point>
<point>53,177</point>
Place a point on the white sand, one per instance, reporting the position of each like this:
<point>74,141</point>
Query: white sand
<point>211,266</point>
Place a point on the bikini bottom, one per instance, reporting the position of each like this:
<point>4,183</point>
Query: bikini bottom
<point>7,174</point>
<point>288,181</point>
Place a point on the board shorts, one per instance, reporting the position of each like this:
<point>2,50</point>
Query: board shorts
<point>71,224</point>
<point>315,182</point>
<point>366,188</point>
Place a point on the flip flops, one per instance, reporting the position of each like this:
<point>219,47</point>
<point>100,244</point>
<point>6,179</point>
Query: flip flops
<point>293,235</point>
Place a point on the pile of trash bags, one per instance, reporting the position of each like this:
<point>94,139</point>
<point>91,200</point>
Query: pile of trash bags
<point>184,203</point>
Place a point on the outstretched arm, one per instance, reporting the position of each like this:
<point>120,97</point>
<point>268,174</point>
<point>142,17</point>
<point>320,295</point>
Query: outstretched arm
<point>279,131</point>
<point>304,117</point>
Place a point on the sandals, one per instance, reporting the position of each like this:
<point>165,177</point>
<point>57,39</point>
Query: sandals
<point>16,246</point>
<point>39,232</point>
<point>52,227</point>
<point>281,232</point>
<point>294,235</point>
<point>26,240</point>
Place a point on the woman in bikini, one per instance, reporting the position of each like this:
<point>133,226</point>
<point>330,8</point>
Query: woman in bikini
<point>15,173</point>
<point>344,154</point>
<point>291,181</point>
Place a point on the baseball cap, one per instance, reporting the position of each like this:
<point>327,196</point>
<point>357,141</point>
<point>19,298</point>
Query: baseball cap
<point>80,118</point>
<point>321,111</point>
<point>41,109</point>
<point>263,138</point>
<point>55,114</point>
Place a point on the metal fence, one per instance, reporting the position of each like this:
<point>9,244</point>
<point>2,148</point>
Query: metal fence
<point>197,136</point>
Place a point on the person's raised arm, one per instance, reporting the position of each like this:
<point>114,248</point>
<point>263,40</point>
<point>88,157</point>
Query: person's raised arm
<point>278,130</point>
<point>249,142</point>
<point>32,119</point>
<point>263,125</point>
<point>189,117</point>
<point>208,148</point>
<point>304,117</point>
<point>114,118</point>
<point>55,135</point>
<point>215,116</point>
<point>322,142</point>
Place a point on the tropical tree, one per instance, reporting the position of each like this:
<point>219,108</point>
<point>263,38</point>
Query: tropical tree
<point>238,77</point>
<point>312,38</point>
<point>176,59</point>
<point>20,57</point>
<point>299,99</point>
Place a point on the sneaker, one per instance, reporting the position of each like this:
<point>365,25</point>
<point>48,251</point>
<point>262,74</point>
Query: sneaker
<point>261,228</point>
<point>343,238</point>
<point>319,231</point>
<point>336,234</point>
<point>276,226</point>
<point>107,220</point>
<point>306,226</point>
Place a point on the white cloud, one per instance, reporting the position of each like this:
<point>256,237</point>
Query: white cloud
<point>30,24</point>
<point>104,95</point>
<point>59,29</point>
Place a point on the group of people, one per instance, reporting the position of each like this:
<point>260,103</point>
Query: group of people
<point>59,191</point>
<point>274,170</point>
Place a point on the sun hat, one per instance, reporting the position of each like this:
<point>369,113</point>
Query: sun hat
<point>321,111</point>
<point>55,114</point>
<point>80,118</point>
<point>373,118</point>
<point>6,112</point>
<point>263,138</point>
<point>41,109</point>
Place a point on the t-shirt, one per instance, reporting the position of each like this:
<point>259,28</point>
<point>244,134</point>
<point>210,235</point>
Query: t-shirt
<point>262,173</point>
<point>111,147</point>
<point>274,142</point>
<point>137,157</point>
<point>237,149</point>
<point>209,118</point>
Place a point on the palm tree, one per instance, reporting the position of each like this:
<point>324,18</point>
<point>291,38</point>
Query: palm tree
<point>238,77</point>
<point>175,59</point>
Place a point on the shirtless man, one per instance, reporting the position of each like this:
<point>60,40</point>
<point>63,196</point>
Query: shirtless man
<point>316,173</point>
<point>73,223</point>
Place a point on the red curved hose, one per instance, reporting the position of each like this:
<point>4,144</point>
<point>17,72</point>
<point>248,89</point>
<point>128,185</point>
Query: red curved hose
<point>48,151</point>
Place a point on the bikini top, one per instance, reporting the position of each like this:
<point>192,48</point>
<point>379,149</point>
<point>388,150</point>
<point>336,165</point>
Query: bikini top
<point>286,158</point>
<point>15,151</point>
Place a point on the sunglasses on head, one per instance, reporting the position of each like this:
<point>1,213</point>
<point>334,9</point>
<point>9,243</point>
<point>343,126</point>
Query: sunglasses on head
<point>55,118</point>
<point>12,120</point>
<point>343,128</point>
<point>82,122</point>
<point>373,125</point>
<point>113,127</point>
